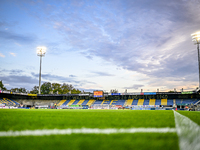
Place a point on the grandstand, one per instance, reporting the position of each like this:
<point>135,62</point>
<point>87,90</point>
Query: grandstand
<point>128,100</point>
<point>8,102</point>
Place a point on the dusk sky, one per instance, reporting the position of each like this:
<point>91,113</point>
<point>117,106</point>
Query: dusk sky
<point>100,45</point>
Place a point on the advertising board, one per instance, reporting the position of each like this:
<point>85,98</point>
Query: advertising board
<point>188,92</point>
<point>149,93</point>
<point>98,93</point>
<point>115,93</point>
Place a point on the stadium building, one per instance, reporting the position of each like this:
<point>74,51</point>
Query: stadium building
<point>100,100</point>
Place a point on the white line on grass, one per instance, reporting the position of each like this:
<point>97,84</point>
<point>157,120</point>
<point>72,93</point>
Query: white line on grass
<point>85,131</point>
<point>188,132</point>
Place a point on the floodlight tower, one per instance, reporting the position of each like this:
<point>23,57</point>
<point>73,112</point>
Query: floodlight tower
<point>196,40</point>
<point>40,52</point>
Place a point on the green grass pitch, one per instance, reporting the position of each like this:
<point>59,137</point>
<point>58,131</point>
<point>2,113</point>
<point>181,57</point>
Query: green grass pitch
<point>193,115</point>
<point>62,119</point>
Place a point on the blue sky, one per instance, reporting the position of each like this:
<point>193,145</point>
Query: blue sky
<point>100,45</point>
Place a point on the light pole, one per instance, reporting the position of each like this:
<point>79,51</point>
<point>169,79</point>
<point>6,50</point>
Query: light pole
<point>40,52</point>
<point>196,40</point>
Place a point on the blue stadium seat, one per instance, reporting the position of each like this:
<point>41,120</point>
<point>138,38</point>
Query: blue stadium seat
<point>135,101</point>
<point>76,101</point>
<point>98,102</point>
<point>170,102</point>
<point>119,102</point>
<point>85,102</point>
<point>8,101</point>
<point>158,102</point>
<point>66,102</point>
<point>146,102</point>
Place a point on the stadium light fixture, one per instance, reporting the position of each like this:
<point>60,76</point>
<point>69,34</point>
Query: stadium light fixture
<point>40,52</point>
<point>196,40</point>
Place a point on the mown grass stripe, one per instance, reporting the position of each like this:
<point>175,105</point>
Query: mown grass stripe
<point>85,131</point>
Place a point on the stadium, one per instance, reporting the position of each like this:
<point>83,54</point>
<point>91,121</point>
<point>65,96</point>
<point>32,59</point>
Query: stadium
<point>99,64</point>
<point>99,100</point>
<point>101,120</point>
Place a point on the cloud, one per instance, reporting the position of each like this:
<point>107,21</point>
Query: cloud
<point>98,73</point>
<point>7,35</point>
<point>147,45</point>
<point>72,76</point>
<point>56,78</point>
<point>89,89</point>
<point>51,77</point>
<point>135,86</point>
<point>2,55</point>
<point>16,71</point>
<point>19,81</point>
<point>12,71</point>
<point>16,78</point>
<point>150,45</point>
<point>13,54</point>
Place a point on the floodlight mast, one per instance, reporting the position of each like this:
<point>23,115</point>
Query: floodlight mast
<point>196,40</point>
<point>40,52</point>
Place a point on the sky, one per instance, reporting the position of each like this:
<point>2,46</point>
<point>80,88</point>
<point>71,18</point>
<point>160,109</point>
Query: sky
<point>100,44</point>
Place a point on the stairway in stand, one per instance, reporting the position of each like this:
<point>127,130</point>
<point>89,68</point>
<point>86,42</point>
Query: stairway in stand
<point>152,101</point>
<point>140,102</point>
<point>61,102</point>
<point>71,102</point>
<point>90,102</point>
<point>80,102</point>
<point>129,102</point>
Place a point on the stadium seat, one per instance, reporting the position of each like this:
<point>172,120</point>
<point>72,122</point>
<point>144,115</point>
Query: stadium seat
<point>8,101</point>
<point>113,102</point>
<point>140,102</point>
<point>106,102</point>
<point>80,102</point>
<point>66,102</point>
<point>152,101</point>
<point>90,102</point>
<point>85,102</point>
<point>170,102</point>
<point>178,101</point>
<point>129,102</point>
<point>98,102</point>
<point>71,102</point>
<point>75,102</point>
<point>120,102</point>
<point>61,102</point>
<point>158,102</point>
<point>163,101</point>
<point>135,101</point>
<point>146,102</point>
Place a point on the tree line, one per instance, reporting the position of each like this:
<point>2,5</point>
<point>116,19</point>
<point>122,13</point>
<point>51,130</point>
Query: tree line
<point>46,88</point>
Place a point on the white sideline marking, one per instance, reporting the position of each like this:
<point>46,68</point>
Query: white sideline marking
<point>84,131</point>
<point>188,132</point>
